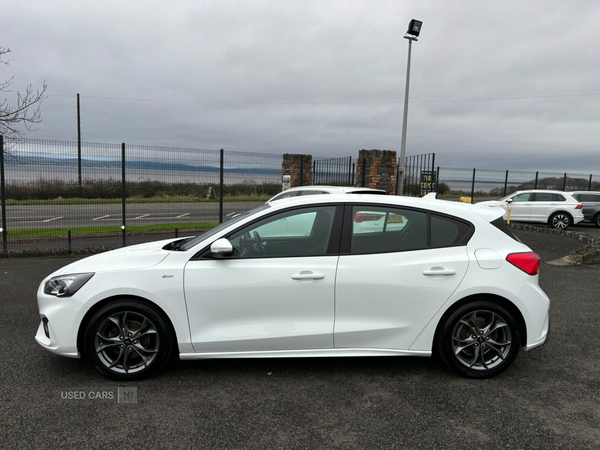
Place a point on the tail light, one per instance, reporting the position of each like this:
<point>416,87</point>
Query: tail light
<point>528,262</point>
<point>578,207</point>
<point>365,217</point>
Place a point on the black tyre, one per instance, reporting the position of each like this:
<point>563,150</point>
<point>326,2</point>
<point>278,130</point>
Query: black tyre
<point>128,340</point>
<point>479,340</point>
<point>597,220</point>
<point>560,220</point>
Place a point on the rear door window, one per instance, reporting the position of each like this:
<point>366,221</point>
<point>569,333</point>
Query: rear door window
<point>543,197</point>
<point>377,229</point>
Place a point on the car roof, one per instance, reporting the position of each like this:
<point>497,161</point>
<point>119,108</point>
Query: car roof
<point>344,189</point>
<point>553,191</point>
<point>456,209</point>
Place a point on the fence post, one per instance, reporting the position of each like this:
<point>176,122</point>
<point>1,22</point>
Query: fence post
<point>221,187</point>
<point>590,184</point>
<point>123,194</point>
<point>437,177</point>
<point>473,188</point>
<point>536,180</point>
<point>350,171</point>
<point>314,174</point>
<point>69,240</point>
<point>505,184</point>
<point>78,146</point>
<point>565,182</point>
<point>3,198</point>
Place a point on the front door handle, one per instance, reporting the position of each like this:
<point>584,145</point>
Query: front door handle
<point>434,271</point>
<point>308,275</point>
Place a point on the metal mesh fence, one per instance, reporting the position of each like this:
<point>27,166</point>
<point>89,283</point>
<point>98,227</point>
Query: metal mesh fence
<point>53,199</point>
<point>498,183</point>
<point>62,198</point>
<point>166,191</point>
<point>249,180</point>
<point>116,195</point>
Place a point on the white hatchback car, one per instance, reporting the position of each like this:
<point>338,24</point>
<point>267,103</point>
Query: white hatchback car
<point>435,277</point>
<point>556,208</point>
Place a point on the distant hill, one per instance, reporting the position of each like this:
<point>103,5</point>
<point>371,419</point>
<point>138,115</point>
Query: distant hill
<point>133,164</point>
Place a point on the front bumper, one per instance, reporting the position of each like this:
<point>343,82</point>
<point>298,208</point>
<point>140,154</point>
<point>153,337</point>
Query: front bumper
<point>62,317</point>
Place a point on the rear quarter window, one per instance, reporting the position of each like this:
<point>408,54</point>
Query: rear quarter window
<point>447,232</point>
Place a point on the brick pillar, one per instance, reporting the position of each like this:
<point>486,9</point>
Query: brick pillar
<point>297,166</point>
<point>380,169</point>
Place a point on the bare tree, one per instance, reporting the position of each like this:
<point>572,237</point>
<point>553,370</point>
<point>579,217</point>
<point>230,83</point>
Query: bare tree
<point>16,119</point>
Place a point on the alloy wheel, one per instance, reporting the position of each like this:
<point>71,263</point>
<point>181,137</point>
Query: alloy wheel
<point>127,342</point>
<point>481,340</point>
<point>560,221</point>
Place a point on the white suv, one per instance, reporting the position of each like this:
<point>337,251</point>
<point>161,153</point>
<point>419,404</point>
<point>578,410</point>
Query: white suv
<point>556,208</point>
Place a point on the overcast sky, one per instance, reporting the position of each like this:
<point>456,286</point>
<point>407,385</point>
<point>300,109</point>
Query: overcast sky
<point>494,84</point>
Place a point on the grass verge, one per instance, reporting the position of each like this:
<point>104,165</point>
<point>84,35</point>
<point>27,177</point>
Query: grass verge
<point>38,232</point>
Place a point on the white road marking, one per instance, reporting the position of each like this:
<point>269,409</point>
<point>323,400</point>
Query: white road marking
<point>231,214</point>
<point>140,217</point>
<point>54,218</point>
<point>101,217</point>
<point>183,215</point>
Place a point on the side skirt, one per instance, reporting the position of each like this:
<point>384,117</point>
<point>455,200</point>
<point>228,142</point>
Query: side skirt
<point>305,353</point>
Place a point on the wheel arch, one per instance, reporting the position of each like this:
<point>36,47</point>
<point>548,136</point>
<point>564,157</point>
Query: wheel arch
<point>99,305</point>
<point>502,301</point>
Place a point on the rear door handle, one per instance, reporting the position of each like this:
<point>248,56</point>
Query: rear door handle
<point>439,271</point>
<point>308,275</point>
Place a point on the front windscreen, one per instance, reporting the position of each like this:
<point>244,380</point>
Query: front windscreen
<point>194,241</point>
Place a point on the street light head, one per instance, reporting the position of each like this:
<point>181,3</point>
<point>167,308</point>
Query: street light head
<point>414,27</point>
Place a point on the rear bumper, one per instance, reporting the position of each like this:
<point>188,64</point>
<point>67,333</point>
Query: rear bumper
<point>544,338</point>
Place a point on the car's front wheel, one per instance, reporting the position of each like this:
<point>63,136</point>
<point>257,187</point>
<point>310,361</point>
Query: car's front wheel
<point>597,220</point>
<point>128,340</point>
<point>560,220</point>
<point>479,339</point>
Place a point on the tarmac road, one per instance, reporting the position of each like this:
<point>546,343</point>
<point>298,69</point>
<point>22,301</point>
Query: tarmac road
<point>75,216</point>
<point>548,399</point>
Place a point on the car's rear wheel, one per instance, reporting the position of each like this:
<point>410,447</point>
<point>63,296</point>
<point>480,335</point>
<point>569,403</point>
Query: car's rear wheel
<point>597,220</point>
<point>560,220</point>
<point>128,340</point>
<point>479,339</point>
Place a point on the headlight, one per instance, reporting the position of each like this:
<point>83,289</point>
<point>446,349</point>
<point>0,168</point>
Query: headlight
<point>66,285</point>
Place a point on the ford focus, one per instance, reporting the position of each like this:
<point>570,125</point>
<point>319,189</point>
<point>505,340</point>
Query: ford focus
<point>327,275</point>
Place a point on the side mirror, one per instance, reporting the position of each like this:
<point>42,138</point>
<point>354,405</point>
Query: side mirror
<point>221,248</point>
<point>509,201</point>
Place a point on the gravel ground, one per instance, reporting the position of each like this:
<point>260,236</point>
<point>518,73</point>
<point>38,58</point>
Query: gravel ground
<point>549,398</point>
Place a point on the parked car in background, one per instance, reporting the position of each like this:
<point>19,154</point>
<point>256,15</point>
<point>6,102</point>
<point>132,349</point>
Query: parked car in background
<point>436,277</point>
<point>319,190</point>
<point>590,202</point>
<point>556,208</point>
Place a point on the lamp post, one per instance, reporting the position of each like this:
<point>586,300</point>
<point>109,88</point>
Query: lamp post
<point>414,28</point>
